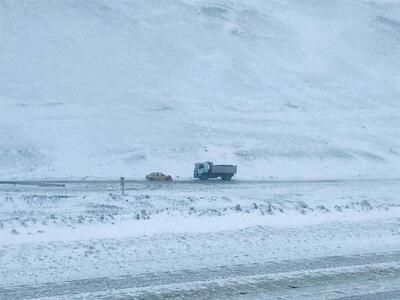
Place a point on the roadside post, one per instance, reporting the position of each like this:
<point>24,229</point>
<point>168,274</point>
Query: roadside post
<point>123,186</point>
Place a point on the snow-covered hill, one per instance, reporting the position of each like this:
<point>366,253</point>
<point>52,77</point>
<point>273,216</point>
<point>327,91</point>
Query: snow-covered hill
<point>281,88</point>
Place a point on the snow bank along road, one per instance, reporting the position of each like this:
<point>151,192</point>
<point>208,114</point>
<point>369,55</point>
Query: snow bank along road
<point>332,239</point>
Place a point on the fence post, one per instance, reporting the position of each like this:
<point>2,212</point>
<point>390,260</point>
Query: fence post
<point>123,186</point>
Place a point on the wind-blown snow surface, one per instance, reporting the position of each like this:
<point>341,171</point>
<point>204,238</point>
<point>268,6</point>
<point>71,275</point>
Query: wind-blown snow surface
<point>83,238</point>
<point>282,88</point>
<point>76,232</point>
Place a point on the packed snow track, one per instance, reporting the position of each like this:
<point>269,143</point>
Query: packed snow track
<point>135,184</point>
<point>286,278</point>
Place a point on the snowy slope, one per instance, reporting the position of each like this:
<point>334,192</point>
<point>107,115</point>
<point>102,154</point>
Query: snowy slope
<point>282,88</point>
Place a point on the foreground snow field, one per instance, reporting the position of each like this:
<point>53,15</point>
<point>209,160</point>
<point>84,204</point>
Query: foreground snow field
<point>201,240</point>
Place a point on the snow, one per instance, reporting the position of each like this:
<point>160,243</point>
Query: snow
<point>293,92</point>
<point>79,234</point>
<point>190,208</point>
<point>283,89</point>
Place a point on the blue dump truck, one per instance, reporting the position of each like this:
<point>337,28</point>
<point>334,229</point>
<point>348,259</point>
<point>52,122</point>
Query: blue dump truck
<point>206,170</point>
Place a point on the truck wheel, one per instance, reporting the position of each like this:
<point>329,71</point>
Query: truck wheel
<point>226,178</point>
<point>203,177</point>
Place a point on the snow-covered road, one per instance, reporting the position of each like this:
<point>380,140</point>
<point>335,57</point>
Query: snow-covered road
<point>247,240</point>
<point>98,185</point>
<point>333,275</point>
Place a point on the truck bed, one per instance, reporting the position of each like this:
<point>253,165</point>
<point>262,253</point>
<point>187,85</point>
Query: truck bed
<point>223,169</point>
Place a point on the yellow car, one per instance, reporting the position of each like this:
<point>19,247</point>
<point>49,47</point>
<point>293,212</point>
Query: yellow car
<point>157,176</point>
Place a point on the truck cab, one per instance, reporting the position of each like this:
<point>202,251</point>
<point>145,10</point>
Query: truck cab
<point>201,170</point>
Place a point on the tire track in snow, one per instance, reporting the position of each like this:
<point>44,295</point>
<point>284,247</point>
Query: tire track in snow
<point>151,280</point>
